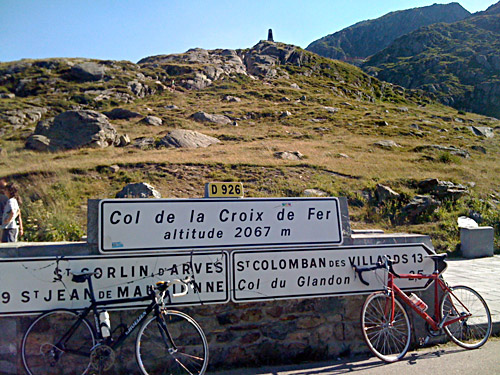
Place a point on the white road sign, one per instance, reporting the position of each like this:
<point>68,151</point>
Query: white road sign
<point>283,274</point>
<point>161,224</point>
<point>32,285</point>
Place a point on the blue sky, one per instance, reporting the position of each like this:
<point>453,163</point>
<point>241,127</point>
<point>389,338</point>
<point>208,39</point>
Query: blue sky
<point>133,29</point>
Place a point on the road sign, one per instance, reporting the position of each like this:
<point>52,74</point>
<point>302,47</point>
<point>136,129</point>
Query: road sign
<point>224,190</point>
<point>138,225</point>
<point>32,285</point>
<point>284,274</point>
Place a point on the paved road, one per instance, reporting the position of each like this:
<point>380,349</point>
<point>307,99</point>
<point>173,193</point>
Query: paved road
<point>446,359</point>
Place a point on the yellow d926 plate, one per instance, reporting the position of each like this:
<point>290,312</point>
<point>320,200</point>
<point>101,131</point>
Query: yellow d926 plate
<point>224,190</point>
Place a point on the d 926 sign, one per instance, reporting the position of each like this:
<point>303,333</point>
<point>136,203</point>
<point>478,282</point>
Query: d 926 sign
<point>224,190</point>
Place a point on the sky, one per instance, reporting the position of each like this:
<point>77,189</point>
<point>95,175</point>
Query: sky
<point>134,29</point>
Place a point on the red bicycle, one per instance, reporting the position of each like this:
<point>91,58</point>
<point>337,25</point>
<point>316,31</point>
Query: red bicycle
<point>462,312</point>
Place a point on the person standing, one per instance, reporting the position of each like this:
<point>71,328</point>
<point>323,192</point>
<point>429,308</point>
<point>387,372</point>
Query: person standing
<point>3,201</point>
<point>11,212</point>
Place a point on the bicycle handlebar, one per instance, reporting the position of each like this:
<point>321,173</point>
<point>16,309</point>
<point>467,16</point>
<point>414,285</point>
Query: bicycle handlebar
<point>386,264</point>
<point>162,286</point>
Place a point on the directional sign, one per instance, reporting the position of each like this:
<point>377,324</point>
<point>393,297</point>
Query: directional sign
<point>138,225</point>
<point>32,285</point>
<point>283,274</point>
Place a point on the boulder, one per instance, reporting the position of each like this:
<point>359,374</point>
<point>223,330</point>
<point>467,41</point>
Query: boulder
<point>152,121</point>
<point>384,193</point>
<point>386,144</point>
<point>122,114</point>
<point>144,143</point>
<point>122,140</point>
<point>232,99</point>
<point>88,71</point>
<point>38,143</point>
<point>420,204</point>
<point>181,138</point>
<point>74,129</point>
<point>215,119</point>
<point>482,131</point>
<point>452,150</point>
<point>140,89</point>
<point>138,190</point>
<point>442,189</point>
<point>314,193</point>
<point>289,155</point>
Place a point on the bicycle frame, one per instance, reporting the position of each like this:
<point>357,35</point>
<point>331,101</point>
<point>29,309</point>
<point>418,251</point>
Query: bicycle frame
<point>94,307</point>
<point>439,322</point>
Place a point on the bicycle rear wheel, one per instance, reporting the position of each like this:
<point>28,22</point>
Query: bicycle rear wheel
<point>186,354</point>
<point>388,340</point>
<point>57,343</point>
<point>471,332</point>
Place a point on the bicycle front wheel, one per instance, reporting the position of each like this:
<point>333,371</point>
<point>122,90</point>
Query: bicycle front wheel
<point>388,338</point>
<point>177,347</point>
<point>58,342</point>
<point>472,331</point>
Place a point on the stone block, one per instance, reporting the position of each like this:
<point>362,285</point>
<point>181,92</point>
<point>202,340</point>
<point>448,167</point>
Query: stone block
<point>476,242</point>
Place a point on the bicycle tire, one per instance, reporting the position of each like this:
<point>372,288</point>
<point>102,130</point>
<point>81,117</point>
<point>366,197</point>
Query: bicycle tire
<point>472,332</point>
<point>43,353</point>
<point>154,352</point>
<point>389,342</point>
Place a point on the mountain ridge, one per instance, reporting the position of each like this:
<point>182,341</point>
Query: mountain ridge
<point>365,38</point>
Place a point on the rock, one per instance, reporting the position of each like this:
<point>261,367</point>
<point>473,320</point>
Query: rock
<point>420,204</point>
<point>331,109</point>
<point>23,116</point>
<point>285,114</point>
<point>144,143</point>
<point>75,129</point>
<point>384,193</point>
<point>452,150</point>
<point>387,144</point>
<point>215,119</point>
<point>382,123</point>
<point>138,190</point>
<point>482,131</point>
<point>480,149</point>
<point>88,71</point>
<point>285,99</point>
<point>314,193</point>
<point>233,99</point>
<point>122,114</point>
<point>152,121</point>
<point>187,139</point>
<point>123,140</point>
<point>7,95</point>
<point>289,155</point>
<point>38,143</point>
<point>442,189</point>
<point>295,86</point>
<point>139,89</point>
<point>171,106</point>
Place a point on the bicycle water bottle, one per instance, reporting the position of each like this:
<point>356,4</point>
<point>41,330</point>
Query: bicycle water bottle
<point>105,323</point>
<point>418,302</point>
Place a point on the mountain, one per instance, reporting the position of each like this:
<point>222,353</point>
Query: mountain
<point>283,121</point>
<point>369,37</point>
<point>458,63</point>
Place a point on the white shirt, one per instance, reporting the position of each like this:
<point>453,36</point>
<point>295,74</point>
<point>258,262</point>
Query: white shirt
<point>10,206</point>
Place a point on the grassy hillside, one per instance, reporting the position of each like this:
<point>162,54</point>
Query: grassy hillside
<point>331,112</point>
